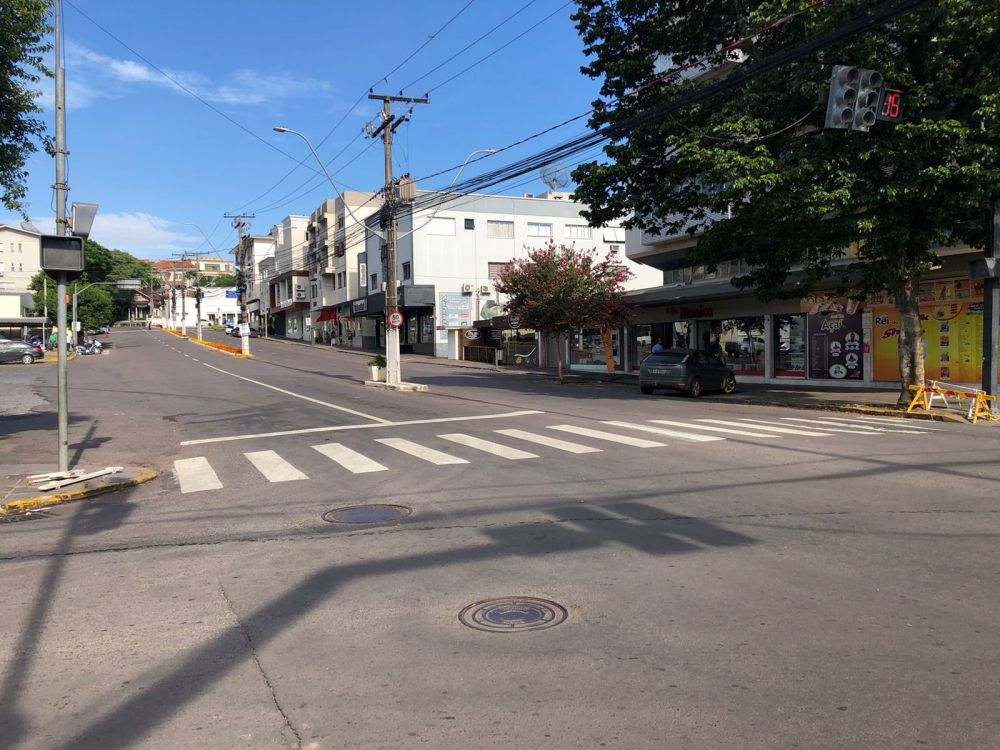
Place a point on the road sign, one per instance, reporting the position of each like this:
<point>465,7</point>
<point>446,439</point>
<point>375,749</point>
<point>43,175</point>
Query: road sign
<point>232,294</point>
<point>129,284</point>
<point>62,253</point>
<point>395,319</point>
<point>514,323</point>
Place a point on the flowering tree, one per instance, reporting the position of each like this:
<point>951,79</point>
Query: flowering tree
<point>558,289</point>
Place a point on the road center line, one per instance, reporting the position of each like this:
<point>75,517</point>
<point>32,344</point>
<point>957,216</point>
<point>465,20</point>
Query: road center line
<point>339,428</point>
<point>298,395</point>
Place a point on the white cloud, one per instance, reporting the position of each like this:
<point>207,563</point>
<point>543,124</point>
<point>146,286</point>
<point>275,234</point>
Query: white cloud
<point>92,75</point>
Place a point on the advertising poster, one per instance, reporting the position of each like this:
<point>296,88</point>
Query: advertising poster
<point>835,333</point>
<point>951,314</point>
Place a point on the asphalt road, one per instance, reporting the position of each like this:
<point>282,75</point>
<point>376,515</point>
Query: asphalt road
<point>793,579</point>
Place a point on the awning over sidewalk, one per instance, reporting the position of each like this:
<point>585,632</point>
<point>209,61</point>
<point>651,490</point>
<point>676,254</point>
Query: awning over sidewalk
<point>328,313</point>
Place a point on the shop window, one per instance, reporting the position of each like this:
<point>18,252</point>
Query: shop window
<point>742,341</point>
<point>587,350</point>
<point>426,328</point>
<point>789,341</point>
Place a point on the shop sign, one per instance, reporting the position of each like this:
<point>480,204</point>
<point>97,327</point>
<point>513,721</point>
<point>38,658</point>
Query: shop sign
<point>454,309</point>
<point>359,306</point>
<point>472,334</point>
<point>684,313</point>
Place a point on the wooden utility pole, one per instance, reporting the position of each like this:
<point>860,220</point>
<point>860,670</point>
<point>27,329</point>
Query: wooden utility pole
<point>389,124</point>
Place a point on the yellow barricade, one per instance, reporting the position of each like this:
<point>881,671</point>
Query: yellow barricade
<point>980,407</point>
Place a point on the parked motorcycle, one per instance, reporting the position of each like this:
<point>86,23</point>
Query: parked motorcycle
<point>89,347</point>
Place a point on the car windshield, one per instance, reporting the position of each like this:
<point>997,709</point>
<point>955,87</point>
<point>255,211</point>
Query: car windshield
<point>667,358</point>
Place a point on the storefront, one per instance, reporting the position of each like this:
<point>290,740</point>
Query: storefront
<point>589,350</point>
<point>417,305</point>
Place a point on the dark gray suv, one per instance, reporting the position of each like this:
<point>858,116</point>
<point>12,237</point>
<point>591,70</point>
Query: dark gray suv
<point>688,370</point>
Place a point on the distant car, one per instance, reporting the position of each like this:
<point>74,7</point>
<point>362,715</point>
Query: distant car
<point>104,329</point>
<point>687,370</point>
<point>19,351</point>
<point>235,332</point>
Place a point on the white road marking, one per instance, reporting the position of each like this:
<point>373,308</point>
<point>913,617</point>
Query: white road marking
<point>668,433</point>
<point>274,467</point>
<point>551,442</point>
<point>855,429</point>
<point>884,422</point>
<point>351,460</point>
<point>487,446</point>
<point>196,475</point>
<point>611,437</point>
<point>188,356</point>
<point>339,428</point>
<point>758,424</point>
<point>726,430</point>
<point>196,359</point>
<point>299,395</point>
<point>421,451</point>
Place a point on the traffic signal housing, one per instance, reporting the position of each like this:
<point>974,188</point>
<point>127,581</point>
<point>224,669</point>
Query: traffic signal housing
<point>866,106</point>
<point>843,97</point>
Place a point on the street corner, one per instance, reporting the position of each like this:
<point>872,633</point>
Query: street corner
<point>26,493</point>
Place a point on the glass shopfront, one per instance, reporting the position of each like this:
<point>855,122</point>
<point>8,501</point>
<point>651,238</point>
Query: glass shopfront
<point>646,335</point>
<point>587,352</point>
<point>789,341</point>
<point>742,342</point>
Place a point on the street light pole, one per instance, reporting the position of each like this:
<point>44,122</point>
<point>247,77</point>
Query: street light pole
<point>62,224</point>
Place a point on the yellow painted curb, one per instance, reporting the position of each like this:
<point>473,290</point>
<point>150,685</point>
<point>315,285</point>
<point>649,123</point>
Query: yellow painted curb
<point>45,501</point>
<point>222,349</point>
<point>69,358</point>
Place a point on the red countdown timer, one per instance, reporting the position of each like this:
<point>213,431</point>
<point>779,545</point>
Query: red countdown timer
<point>890,106</point>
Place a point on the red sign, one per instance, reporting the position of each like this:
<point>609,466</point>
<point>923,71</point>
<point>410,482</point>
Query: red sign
<point>395,319</point>
<point>890,106</point>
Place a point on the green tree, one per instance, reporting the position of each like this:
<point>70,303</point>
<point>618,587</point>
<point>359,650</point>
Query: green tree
<point>558,289</point>
<point>23,26</point>
<point>224,280</point>
<point>798,196</point>
<point>95,306</point>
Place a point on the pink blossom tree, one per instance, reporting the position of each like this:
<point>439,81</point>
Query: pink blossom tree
<point>558,289</point>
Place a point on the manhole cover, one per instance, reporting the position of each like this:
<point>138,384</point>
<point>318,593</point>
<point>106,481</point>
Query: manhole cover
<point>512,614</point>
<point>367,514</point>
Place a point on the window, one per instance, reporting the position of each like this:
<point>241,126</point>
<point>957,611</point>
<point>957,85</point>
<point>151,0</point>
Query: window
<point>406,271</point>
<point>539,230</point>
<point>614,249</point>
<point>470,223</point>
<point>578,232</point>
<point>341,279</point>
<point>312,291</point>
<point>340,222</point>
<point>500,230</point>
<point>363,274</point>
<point>614,234</point>
<point>495,270</point>
<point>374,281</point>
<point>441,225</point>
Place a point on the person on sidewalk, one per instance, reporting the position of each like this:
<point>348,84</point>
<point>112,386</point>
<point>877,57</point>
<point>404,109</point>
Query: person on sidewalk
<point>658,346</point>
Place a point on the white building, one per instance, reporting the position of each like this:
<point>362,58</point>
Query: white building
<point>249,254</point>
<point>20,258</point>
<point>449,258</point>
<point>219,305</point>
<point>288,300</point>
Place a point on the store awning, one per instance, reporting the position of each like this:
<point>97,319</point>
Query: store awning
<point>329,313</point>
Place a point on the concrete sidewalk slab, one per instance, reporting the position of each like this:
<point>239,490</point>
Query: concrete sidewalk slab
<point>20,498</point>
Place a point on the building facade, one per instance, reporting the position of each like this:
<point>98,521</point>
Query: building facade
<point>288,304</point>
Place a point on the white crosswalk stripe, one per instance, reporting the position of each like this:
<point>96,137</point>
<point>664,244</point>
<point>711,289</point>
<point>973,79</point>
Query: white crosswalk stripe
<point>859,429</point>
<point>885,422</point>
<point>760,424</point>
<point>693,437</point>
<point>354,462</point>
<point>551,442</point>
<point>487,446</point>
<point>196,475</point>
<point>746,432</point>
<point>274,467</point>
<point>421,451</point>
<point>609,436</point>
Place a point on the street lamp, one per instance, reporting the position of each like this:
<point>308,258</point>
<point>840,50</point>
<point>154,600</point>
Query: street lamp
<point>468,159</point>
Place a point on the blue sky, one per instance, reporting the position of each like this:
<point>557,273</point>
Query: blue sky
<point>155,158</point>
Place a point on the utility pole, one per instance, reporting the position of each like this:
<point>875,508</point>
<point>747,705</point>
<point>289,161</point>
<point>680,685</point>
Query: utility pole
<point>239,221</point>
<point>62,224</point>
<point>991,308</point>
<point>389,124</point>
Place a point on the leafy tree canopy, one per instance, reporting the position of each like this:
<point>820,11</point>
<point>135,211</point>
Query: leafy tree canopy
<point>23,26</point>
<point>559,289</point>
<point>798,195</point>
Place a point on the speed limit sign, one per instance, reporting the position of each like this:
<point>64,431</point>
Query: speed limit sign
<point>395,319</point>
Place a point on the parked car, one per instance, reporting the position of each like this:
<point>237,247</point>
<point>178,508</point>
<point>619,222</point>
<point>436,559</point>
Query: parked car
<point>235,332</point>
<point>20,351</point>
<point>688,370</point>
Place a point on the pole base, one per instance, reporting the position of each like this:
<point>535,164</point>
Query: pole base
<point>396,386</point>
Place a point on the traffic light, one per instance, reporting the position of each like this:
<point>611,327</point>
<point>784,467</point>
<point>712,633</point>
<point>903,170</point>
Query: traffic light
<point>866,106</point>
<point>843,97</point>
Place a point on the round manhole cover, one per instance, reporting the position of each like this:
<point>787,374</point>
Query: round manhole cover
<point>513,614</point>
<point>360,515</point>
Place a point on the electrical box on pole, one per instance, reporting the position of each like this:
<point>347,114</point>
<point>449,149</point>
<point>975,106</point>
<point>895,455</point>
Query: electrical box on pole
<point>62,254</point>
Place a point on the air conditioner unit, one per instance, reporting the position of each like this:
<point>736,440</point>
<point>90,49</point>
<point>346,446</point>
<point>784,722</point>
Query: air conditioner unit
<point>468,288</point>
<point>485,289</point>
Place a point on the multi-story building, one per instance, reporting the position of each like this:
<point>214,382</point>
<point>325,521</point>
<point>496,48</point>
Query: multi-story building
<point>212,268</point>
<point>249,254</point>
<point>20,256</point>
<point>288,283</point>
<point>336,236</point>
<point>448,260</point>
<point>174,273</point>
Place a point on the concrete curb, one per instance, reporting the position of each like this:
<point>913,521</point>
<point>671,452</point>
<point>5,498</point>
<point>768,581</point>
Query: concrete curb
<point>19,507</point>
<point>222,349</point>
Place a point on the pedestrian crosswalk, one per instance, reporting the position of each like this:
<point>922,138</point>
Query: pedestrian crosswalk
<point>197,474</point>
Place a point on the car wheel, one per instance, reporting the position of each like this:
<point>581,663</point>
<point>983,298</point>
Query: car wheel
<point>28,359</point>
<point>729,384</point>
<point>694,390</point>
<point>646,389</point>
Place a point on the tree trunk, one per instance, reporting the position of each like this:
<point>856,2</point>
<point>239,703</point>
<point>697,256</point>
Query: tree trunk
<point>911,337</point>
<point>609,351</point>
